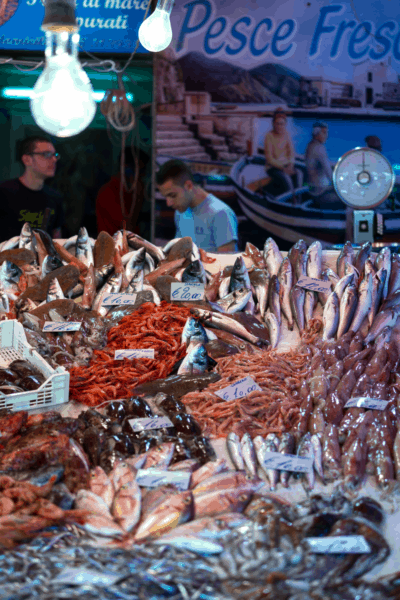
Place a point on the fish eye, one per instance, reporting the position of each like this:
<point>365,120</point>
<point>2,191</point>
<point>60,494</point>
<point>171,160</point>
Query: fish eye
<point>187,500</point>
<point>243,497</point>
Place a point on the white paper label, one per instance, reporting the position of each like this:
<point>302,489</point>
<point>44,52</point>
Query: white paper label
<point>316,285</point>
<point>134,353</point>
<point>187,292</point>
<point>287,462</point>
<point>79,576</point>
<point>241,388</point>
<point>339,544</point>
<point>61,327</point>
<point>365,402</point>
<point>157,477</point>
<point>150,423</point>
<point>119,299</point>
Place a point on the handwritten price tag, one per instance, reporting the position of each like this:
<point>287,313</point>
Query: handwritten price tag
<point>150,423</point>
<point>287,462</point>
<point>240,389</point>
<point>364,402</point>
<point>79,576</point>
<point>61,327</point>
<point>339,544</point>
<point>134,353</point>
<point>186,292</point>
<point>119,299</point>
<point>316,285</point>
<point>157,477</point>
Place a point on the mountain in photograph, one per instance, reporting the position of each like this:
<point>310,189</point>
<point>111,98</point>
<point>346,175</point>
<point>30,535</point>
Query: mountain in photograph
<point>224,81</point>
<point>281,81</point>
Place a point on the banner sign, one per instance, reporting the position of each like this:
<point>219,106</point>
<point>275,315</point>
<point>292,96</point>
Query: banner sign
<point>104,25</point>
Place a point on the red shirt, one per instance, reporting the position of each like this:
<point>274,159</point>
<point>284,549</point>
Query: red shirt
<point>108,207</point>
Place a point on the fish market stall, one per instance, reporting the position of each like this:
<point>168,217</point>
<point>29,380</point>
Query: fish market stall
<point>231,425</point>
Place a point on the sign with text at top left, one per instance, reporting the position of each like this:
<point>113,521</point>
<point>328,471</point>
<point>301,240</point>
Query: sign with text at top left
<point>104,25</point>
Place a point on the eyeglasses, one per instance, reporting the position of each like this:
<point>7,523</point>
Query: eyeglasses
<point>47,155</point>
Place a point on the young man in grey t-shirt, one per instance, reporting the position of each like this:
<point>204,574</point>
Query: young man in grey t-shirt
<point>207,220</point>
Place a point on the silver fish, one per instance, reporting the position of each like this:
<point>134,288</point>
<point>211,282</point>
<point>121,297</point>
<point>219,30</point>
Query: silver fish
<point>314,260</point>
<point>194,273</point>
<point>369,266</point>
<point>286,446</point>
<point>193,331</point>
<point>273,298</point>
<point>272,256</point>
<point>233,302</point>
<point>226,323</point>
<point>346,256</point>
<point>383,338</point>
<point>4,303</point>
<point>323,296</point>
<point>351,270</point>
<point>301,265</point>
<point>112,286</point>
<point>378,283</point>
<point>306,449</point>
<point>271,445</point>
<point>26,237</point>
<point>348,305</point>
<point>10,244</point>
<point>342,284</point>
<point>239,276</point>
<point>136,242</point>
<point>223,289</point>
<point>364,302</point>
<point>273,328</point>
<point>84,250</point>
<point>332,276</point>
<point>362,255</point>
<point>136,282</point>
<point>331,316</point>
<point>394,279</point>
<point>50,263</point>
<point>285,278</point>
<point>235,451</point>
<point>55,291</point>
<point>299,247</point>
<point>385,318</point>
<point>249,455</point>
<point>316,444</point>
<point>260,281</point>
<point>310,302</point>
<point>391,301</point>
<point>297,298</point>
<point>195,362</point>
<point>135,263</point>
<point>383,260</point>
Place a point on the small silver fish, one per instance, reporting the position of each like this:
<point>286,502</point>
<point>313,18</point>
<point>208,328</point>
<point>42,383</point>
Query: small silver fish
<point>316,444</point>
<point>249,455</point>
<point>285,278</point>
<point>297,299</point>
<point>84,250</point>
<point>343,283</point>
<point>364,302</point>
<point>271,445</point>
<point>348,305</point>
<point>235,451</point>
<point>272,256</point>
<point>273,298</point>
<point>273,327</point>
<point>346,256</point>
<point>362,255</point>
<point>310,303</point>
<point>314,260</point>
<point>385,318</point>
<point>383,260</point>
<point>286,446</point>
<point>331,316</point>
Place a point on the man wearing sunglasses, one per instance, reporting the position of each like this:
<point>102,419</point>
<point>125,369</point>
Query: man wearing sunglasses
<point>27,198</point>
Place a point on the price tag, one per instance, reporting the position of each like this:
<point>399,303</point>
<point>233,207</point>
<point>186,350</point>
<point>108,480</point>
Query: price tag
<point>364,402</point>
<point>316,285</point>
<point>339,544</point>
<point>150,423</point>
<point>134,353</point>
<point>287,462</point>
<point>240,389</point>
<point>187,292</point>
<point>61,327</point>
<point>79,576</point>
<point>119,299</point>
<point>157,477</point>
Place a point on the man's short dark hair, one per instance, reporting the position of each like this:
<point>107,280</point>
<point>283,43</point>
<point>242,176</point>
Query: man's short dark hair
<point>27,146</point>
<point>176,170</point>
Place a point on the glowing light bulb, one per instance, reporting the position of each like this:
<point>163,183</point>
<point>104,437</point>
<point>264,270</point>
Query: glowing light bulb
<point>62,102</point>
<point>155,33</point>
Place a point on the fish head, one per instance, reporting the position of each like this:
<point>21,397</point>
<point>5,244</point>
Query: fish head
<point>194,331</point>
<point>10,272</point>
<point>83,237</point>
<point>192,273</point>
<point>26,230</point>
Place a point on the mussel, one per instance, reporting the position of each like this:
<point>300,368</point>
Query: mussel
<point>185,424</point>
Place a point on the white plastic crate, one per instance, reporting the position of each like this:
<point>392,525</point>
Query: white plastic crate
<point>13,346</point>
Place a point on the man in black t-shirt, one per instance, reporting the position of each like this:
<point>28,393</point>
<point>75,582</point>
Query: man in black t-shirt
<point>27,198</point>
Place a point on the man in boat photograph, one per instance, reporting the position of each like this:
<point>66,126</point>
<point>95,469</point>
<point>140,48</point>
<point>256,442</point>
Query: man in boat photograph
<point>319,168</point>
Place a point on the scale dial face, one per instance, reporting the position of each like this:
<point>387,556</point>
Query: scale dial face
<point>363,178</point>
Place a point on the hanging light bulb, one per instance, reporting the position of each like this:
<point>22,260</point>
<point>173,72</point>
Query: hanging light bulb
<point>155,33</point>
<point>62,101</point>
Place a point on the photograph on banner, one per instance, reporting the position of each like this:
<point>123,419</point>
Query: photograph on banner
<point>261,104</point>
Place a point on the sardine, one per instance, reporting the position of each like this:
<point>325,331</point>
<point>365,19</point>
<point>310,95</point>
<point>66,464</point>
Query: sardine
<point>273,298</point>
<point>383,260</point>
<point>385,318</point>
<point>194,331</point>
<point>285,278</point>
<point>84,251</point>
<point>364,302</point>
<point>297,299</point>
<point>346,256</point>
<point>331,316</point>
<point>286,446</point>
<point>362,255</point>
<point>249,455</point>
<point>112,286</point>
<point>235,451</point>
<point>195,362</point>
<point>273,328</point>
<point>348,305</point>
<point>55,292</point>
<point>314,260</point>
<point>272,256</point>
<point>239,276</point>
<point>233,302</point>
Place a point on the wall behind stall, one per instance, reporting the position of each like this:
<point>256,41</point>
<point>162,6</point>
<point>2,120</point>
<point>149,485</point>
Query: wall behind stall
<point>89,159</point>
